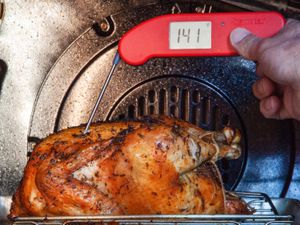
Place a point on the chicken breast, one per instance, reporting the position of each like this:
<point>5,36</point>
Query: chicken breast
<point>159,165</point>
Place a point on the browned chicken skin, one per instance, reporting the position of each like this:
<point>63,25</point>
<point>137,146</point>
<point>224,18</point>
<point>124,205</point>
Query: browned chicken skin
<point>159,165</point>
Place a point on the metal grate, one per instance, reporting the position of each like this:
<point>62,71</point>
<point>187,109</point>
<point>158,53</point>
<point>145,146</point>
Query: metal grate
<point>188,104</point>
<point>189,99</point>
<point>265,213</point>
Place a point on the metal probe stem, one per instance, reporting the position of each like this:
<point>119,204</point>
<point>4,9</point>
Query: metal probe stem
<point>108,78</point>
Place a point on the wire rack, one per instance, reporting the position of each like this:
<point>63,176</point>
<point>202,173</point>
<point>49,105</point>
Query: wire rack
<point>265,213</point>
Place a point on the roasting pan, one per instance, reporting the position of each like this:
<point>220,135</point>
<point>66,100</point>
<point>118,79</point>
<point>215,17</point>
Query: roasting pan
<point>54,58</point>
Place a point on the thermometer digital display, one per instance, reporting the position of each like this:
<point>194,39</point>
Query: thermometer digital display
<point>190,35</point>
<point>184,35</point>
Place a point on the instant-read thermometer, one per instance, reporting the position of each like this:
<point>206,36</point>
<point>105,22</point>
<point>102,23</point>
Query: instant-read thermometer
<point>184,35</point>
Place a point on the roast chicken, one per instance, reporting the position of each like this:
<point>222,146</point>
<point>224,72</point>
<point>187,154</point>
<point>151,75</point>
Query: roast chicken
<point>159,165</point>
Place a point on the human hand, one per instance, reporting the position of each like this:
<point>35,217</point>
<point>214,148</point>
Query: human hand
<point>278,68</point>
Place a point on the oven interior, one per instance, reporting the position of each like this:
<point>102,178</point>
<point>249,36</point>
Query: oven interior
<point>55,57</point>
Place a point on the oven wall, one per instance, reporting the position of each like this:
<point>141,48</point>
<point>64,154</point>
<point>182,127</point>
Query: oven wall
<point>32,37</point>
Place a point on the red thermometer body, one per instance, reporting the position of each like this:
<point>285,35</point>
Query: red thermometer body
<point>182,35</point>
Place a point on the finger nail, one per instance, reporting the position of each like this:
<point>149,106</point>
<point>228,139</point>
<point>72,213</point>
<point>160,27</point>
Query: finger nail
<point>269,105</point>
<point>238,34</point>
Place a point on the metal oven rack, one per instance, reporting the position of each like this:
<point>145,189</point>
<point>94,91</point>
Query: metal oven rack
<point>265,213</point>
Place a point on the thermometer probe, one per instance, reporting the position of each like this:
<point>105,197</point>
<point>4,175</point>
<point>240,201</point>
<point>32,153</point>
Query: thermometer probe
<point>187,35</point>
<point>106,82</point>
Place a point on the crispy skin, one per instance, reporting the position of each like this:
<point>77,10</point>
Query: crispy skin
<point>144,167</point>
<point>235,205</point>
<point>28,200</point>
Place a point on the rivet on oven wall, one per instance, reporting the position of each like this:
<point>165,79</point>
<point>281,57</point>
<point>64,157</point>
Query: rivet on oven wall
<point>105,27</point>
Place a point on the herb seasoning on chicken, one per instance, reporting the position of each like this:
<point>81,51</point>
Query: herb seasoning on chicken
<point>158,165</point>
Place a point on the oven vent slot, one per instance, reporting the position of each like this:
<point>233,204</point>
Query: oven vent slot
<point>181,103</point>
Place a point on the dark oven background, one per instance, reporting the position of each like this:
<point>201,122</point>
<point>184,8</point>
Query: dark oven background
<point>54,58</point>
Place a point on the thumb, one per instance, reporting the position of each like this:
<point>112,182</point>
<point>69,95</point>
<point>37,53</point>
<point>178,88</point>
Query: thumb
<point>245,43</point>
